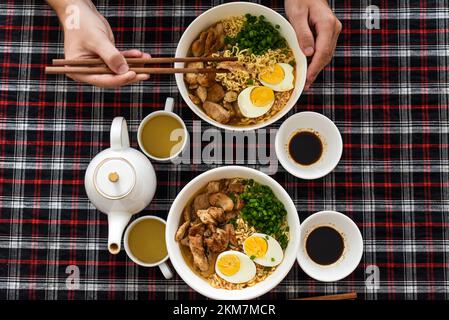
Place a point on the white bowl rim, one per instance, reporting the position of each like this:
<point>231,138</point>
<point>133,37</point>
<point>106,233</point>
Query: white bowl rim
<point>180,82</point>
<point>278,149</point>
<point>247,293</point>
<point>351,224</point>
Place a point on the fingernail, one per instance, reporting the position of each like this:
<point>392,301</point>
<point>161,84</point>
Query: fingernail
<point>308,51</point>
<point>146,77</point>
<point>123,69</point>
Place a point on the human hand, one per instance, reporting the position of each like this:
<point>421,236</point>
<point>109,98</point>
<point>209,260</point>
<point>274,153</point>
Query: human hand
<point>309,17</point>
<point>94,38</point>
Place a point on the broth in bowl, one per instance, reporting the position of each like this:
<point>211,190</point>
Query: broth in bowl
<point>257,86</point>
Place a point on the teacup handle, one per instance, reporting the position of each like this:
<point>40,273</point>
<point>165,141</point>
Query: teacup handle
<point>169,103</point>
<point>165,269</point>
<point>119,134</point>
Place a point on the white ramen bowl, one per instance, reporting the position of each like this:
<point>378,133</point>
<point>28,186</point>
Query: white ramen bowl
<point>198,283</point>
<point>220,12</point>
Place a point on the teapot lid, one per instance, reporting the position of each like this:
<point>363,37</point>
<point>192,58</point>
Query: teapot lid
<point>114,178</point>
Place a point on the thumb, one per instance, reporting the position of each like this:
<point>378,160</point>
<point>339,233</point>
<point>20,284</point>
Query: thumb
<point>112,57</point>
<point>304,35</point>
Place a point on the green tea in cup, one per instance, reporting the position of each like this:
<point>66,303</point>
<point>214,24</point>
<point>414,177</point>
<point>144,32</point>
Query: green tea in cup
<point>162,134</point>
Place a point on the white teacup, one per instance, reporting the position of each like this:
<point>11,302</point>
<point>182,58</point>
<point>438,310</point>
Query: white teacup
<point>328,133</point>
<point>168,111</point>
<point>162,264</point>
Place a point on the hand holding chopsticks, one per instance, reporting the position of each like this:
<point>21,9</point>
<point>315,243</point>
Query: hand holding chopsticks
<point>97,66</point>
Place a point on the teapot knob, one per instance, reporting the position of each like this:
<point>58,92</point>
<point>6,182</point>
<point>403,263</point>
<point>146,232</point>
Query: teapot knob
<point>113,176</point>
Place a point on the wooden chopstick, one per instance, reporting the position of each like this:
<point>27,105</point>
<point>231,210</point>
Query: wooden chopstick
<point>96,61</point>
<point>106,70</point>
<point>341,296</point>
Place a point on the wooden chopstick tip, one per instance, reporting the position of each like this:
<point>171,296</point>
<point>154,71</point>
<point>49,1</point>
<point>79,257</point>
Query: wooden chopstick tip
<point>334,297</point>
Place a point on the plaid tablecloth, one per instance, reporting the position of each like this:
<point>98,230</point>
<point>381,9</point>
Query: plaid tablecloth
<point>386,90</point>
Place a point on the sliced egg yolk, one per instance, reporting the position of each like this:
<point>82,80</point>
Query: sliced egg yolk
<point>261,96</point>
<point>256,246</point>
<point>228,264</point>
<point>273,77</point>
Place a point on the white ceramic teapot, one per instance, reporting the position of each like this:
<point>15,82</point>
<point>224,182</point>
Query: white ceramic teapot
<point>120,181</point>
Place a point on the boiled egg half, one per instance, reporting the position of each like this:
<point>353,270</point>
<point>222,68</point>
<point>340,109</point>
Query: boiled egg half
<point>278,78</point>
<point>263,249</point>
<point>235,267</point>
<point>255,101</point>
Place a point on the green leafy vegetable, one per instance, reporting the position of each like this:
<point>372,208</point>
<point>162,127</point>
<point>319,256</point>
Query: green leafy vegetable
<point>264,211</point>
<point>258,35</point>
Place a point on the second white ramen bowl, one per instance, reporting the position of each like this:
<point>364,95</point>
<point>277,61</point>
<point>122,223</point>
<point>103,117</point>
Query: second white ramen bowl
<point>197,282</point>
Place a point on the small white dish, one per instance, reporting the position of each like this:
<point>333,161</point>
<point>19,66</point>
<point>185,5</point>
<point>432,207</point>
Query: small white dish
<point>353,246</point>
<point>329,135</point>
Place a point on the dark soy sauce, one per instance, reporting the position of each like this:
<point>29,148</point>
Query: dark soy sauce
<point>324,245</point>
<point>305,148</point>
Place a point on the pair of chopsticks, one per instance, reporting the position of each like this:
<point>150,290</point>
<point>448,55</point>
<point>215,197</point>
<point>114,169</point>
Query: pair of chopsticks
<point>97,66</point>
<point>341,296</point>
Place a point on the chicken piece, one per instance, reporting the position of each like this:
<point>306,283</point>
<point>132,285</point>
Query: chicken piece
<point>215,93</point>
<point>210,41</point>
<point>213,187</point>
<point>217,214</point>
<point>220,43</point>
<point>197,65</point>
<point>195,99</point>
<point>182,230</point>
<point>219,28</point>
<point>201,202</point>
<point>206,217</point>
<point>212,215</point>
<point>236,186</point>
<point>218,242</point>
<point>221,200</point>
<point>216,112</point>
<point>229,107</point>
<point>198,45</point>
<point>185,241</point>
<point>236,108</point>
<point>206,79</point>
<point>211,258</point>
<point>186,213</point>
<point>197,249</point>
<point>211,228</point>
<point>230,215</point>
<point>197,228</point>
<point>217,39</point>
<point>229,228</point>
<point>208,232</point>
<point>232,66</point>
<point>201,92</point>
<point>230,96</point>
<point>191,78</point>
